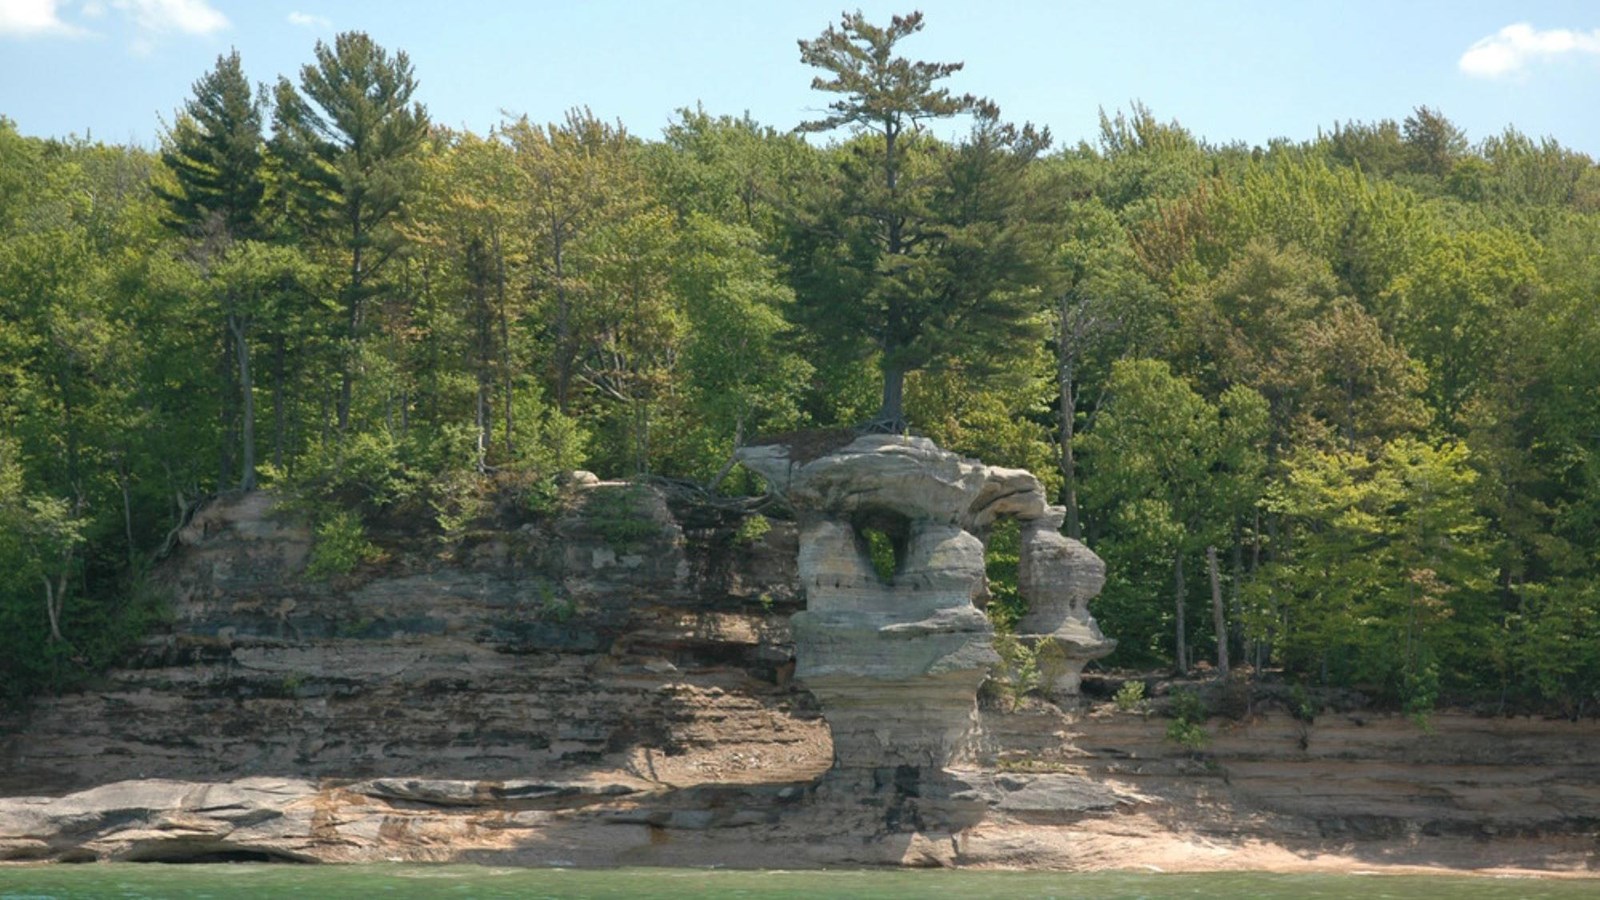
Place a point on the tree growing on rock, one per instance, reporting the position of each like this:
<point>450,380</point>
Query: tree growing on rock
<point>899,232</point>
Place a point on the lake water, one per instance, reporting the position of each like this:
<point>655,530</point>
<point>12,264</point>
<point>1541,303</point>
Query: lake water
<point>149,880</point>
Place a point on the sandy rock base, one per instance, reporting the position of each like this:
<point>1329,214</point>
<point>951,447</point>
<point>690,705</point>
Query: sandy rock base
<point>866,818</point>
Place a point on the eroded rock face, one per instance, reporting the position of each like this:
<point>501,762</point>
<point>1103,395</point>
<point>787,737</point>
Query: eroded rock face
<point>896,661</point>
<point>620,634</point>
<point>1059,576</point>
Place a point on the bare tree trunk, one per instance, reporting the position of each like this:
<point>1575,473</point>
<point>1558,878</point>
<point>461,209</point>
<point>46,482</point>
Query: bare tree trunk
<point>225,429</point>
<point>247,397</point>
<point>52,609</point>
<point>506,374</point>
<point>641,440</point>
<point>127,504</point>
<point>55,596</point>
<point>1180,643</point>
<point>1069,467</point>
<point>1235,594</point>
<point>1218,620</point>
<point>733,458</point>
<point>481,404</point>
<point>279,414</point>
<point>564,353</point>
<point>481,419</point>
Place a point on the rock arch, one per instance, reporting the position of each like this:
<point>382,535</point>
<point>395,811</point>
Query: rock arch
<point>896,663</point>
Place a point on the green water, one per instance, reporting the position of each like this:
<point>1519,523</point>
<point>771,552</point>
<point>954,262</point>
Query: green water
<point>403,881</point>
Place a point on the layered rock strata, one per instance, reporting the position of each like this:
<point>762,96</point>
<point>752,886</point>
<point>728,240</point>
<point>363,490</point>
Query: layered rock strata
<point>617,634</point>
<point>610,686</point>
<point>1102,790</point>
<point>896,657</point>
<point>1059,576</point>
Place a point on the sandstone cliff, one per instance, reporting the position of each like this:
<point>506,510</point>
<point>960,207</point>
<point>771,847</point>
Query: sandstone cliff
<point>562,691</point>
<point>552,646</point>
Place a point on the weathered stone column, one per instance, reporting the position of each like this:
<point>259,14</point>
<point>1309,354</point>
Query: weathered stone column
<point>1059,576</point>
<point>895,662</point>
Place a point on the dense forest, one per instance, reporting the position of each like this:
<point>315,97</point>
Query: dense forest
<point>1350,385</point>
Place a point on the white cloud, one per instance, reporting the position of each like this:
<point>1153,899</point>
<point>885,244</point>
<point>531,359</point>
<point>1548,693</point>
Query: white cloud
<point>35,18</point>
<point>150,19</point>
<point>186,16</point>
<point>309,20</point>
<point>1514,47</point>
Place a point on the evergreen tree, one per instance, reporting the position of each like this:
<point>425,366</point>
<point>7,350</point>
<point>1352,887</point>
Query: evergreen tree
<point>931,251</point>
<point>215,152</point>
<point>885,97</point>
<point>350,143</point>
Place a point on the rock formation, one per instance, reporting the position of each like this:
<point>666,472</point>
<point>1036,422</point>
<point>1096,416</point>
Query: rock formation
<point>1059,576</point>
<point>615,634</point>
<point>609,686</point>
<point>896,659</point>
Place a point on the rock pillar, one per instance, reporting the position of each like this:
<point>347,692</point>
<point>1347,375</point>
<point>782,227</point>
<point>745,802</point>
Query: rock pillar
<point>1059,576</point>
<point>895,658</point>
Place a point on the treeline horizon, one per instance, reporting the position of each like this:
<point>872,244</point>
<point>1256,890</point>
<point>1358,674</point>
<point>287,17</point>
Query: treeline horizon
<point>1350,386</point>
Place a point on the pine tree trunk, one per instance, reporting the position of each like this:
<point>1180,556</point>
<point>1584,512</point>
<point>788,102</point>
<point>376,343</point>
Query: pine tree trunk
<point>353,311</point>
<point>1180,644</point>
<point>247,404</point>
<point>1069,467</point>
<point>1218,620</point>
<point>892,416</point>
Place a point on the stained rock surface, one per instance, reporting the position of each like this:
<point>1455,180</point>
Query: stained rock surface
<point>611,685</point>
<point>614,635</point>
<point>895,658</point>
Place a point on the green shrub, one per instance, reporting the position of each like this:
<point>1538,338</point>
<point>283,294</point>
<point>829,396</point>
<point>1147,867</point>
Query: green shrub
<point>613,513</point>
<point>1017,673</point>
<point>364,469</point>
<point>341,544</point>
<point>1186,734</point>
<point>548,441</point>
<point>1130,696</point>
<point>1188,713</point>
<point>457,499</point>
<point>541,496</point>
<point>880,549</point>
<point>555,606</point>
<point>752,529</point>
<point>1421,692</point>
<point>1301,706</point>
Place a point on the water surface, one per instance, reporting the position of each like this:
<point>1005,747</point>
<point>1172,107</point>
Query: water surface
<point>371,882</point>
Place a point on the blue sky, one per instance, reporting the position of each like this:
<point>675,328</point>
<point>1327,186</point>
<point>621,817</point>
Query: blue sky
<point>1229,71</point>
